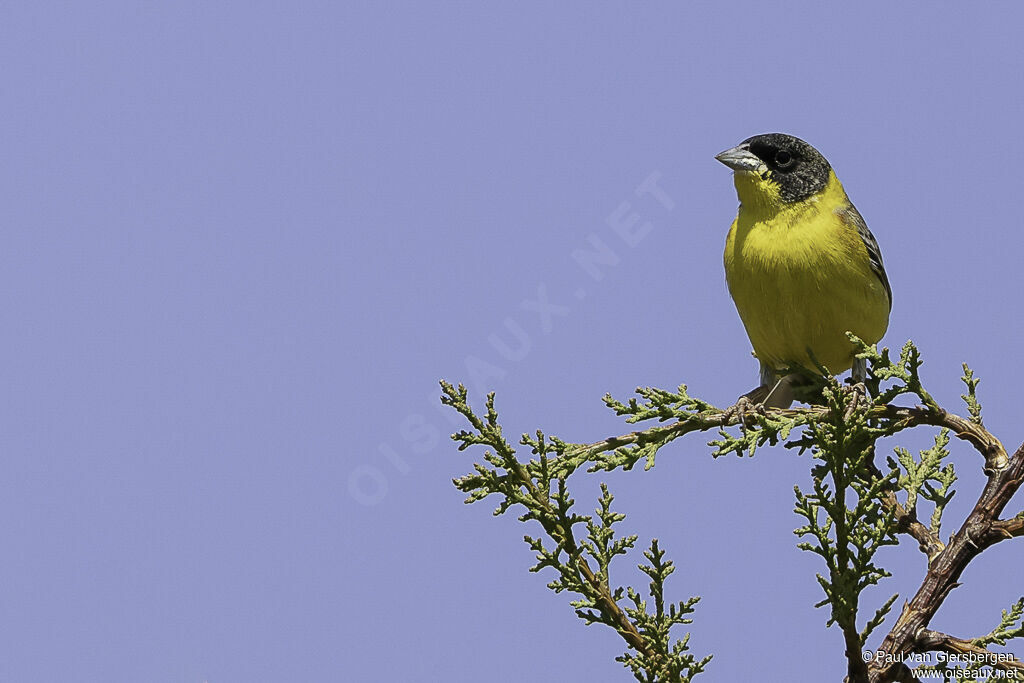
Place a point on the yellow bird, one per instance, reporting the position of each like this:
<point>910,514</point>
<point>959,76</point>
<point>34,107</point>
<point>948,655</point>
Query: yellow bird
<point>803,268</point>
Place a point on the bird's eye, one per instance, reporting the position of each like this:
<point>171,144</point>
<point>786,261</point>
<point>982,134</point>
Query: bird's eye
<point>783,159</point>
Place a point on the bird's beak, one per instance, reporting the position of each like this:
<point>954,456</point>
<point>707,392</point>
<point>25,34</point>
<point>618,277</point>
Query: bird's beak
<point>740,158</point>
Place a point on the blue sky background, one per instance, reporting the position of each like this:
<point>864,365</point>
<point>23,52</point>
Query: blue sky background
<point>242,241</point>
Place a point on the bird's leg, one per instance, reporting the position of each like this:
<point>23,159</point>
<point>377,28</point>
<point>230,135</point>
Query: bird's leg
<point>859,392</point>
<point>857,387</point>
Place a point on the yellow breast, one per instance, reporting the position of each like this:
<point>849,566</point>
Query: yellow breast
<point>801,278</point>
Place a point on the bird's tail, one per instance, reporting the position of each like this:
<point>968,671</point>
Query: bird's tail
<point>780,390</point>
<point>780,394</point>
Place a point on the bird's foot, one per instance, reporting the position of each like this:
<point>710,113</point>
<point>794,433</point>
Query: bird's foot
<point>750,402</point>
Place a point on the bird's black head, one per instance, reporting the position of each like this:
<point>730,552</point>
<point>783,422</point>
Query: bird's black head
<point>799,170</point>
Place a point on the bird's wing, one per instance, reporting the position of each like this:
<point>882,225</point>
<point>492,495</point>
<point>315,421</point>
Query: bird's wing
<point>851,216</point>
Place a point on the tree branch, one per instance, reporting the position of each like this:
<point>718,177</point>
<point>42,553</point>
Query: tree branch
<point>946,563</point>
<point>941,642</point>
<point>973,433</point>
<point>980,530</point>
<point>1010,527</point>
<point>928,542</point>
<point>905,418</point>
<point>907,523</point>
